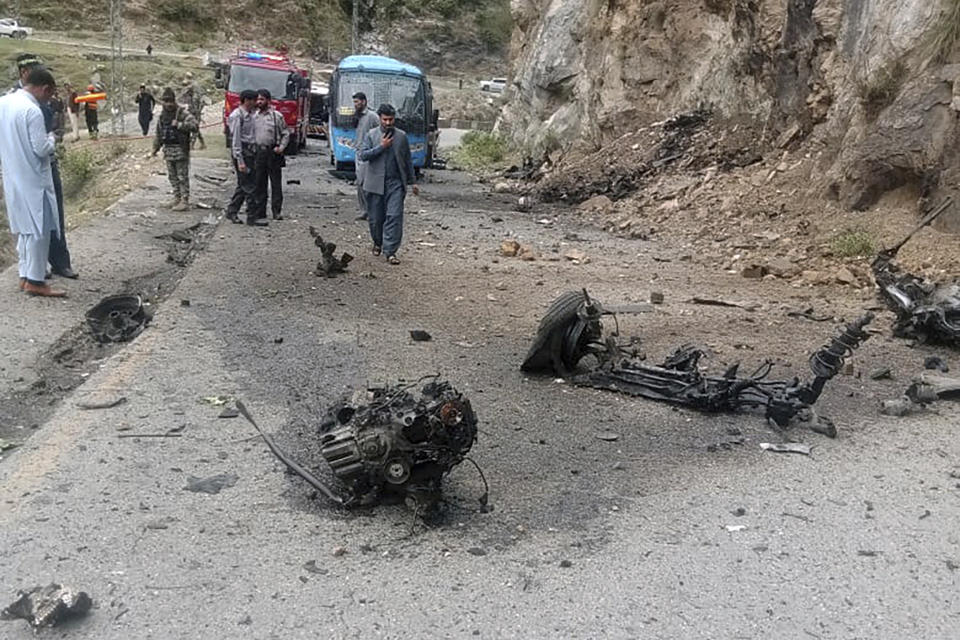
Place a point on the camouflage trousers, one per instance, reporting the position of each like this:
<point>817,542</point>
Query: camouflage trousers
<point>178,170</point>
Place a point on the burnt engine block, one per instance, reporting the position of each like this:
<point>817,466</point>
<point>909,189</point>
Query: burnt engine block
<point>398,445</point>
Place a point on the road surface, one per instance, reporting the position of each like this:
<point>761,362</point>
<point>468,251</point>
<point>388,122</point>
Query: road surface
<point>680,528</point>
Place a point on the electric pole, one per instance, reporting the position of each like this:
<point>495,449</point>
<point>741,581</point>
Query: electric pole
<point>116,97</point>
<point>356,27</point>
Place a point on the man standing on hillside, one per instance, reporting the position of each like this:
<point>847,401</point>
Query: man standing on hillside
<point>145,103</point>
<point>90,111</point>
<point>243,151</point>
<point>73,111</point>
<point>388,172</point>
<point>272,137</point>
<point>366,120</point>
<point>193,99</point>
<point>174,127</point>
<point>25,152</point>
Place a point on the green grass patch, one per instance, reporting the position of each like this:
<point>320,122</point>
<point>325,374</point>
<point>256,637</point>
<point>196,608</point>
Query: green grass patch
<point>77,168</point>
<point>852,244</point>
<point>481,150</point>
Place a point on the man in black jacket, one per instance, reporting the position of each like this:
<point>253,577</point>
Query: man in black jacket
<point>145,103</point>
<point>388,171</point>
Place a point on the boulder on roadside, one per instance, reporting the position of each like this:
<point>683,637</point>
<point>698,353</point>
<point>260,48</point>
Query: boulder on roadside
<point>596,203</point>
<point>753,271</point>
<point>509,248</point>
<point>782,268</point>
<point>843,275</point>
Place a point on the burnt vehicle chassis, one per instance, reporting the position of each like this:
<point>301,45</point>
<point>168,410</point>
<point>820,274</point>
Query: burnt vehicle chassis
<point>571,332</point>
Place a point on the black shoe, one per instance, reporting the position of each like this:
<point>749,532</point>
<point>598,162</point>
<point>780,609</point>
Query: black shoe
<point>361,217</point>
<point>66,272</point>
<point>234,218</point>
<point>277,216</point>
<point>259,222</point>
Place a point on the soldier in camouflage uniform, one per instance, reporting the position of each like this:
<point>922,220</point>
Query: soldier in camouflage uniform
<point>174,127</point>
<point>192,97</point>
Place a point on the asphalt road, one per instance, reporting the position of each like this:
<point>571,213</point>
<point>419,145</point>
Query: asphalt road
<point>681,528</point>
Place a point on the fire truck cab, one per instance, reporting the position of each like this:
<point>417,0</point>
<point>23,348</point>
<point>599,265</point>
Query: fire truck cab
<point>288,84</point>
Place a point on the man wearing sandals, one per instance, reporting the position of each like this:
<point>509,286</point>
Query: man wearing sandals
<point>388,171</point>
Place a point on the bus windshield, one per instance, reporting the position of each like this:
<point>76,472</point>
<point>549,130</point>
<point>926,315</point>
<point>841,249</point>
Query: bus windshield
<point>405,93</point>
<point>278,82</point>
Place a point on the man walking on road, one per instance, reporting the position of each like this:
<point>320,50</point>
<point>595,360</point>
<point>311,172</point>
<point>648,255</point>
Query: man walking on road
<point>388,172</point>
<point>174,127</point>
<point>25,152</point>
<point>243,151</point>
<point>272,137</point>
<point>366,120</point>
<point>145,103</point>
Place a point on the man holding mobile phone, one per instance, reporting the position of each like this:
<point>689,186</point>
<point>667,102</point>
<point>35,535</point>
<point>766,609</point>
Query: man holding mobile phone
<point>389,169</point>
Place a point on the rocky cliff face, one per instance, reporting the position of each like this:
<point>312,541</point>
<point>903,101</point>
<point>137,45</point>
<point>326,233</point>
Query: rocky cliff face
<point>863,82</point>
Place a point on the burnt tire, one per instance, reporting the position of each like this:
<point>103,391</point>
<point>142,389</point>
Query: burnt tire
<point>547,349</point>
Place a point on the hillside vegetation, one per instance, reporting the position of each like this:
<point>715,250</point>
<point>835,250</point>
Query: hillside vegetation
<point>432,33</point>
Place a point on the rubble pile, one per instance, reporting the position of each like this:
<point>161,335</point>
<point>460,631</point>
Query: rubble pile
<point>635,160</point>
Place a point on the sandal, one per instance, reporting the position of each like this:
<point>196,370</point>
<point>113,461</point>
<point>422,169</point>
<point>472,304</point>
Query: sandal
<point>376,250</point>
<point>393,259</point>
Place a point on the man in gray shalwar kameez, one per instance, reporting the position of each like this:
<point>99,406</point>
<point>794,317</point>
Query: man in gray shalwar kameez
<point>26,150</point>
<point>388,172</point>
<point>366,121</point>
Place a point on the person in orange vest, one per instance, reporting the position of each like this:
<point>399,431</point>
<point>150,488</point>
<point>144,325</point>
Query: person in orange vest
<point>90,112</point>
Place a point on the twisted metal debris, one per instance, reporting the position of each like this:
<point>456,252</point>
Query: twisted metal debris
<point>926,311</point>
<point>572,330</point>
<point>329,266</point>
<point>47,606</point>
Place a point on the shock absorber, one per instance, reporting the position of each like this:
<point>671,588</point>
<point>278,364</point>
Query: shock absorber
<point>828,361</point>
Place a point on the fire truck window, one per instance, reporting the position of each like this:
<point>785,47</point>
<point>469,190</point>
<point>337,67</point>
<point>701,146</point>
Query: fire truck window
<point>273,80</point>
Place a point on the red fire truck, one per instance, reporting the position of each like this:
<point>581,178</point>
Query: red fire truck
<point>288,84</point>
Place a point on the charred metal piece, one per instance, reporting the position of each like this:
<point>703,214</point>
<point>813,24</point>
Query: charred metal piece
<point>119,318</point>
<point>398,445</point>
<point>47,606</point>
<point>929,387</point>
<point>572,330</point>
<point>926,311</point>
<point>329,266</point>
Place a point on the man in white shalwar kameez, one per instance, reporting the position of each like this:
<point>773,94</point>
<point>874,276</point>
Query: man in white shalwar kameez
<point>25,153</point>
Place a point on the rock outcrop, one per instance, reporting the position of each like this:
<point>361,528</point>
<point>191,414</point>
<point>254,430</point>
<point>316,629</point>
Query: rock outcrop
<point>863,82</point>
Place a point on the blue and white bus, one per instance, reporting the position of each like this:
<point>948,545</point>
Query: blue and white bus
<point>383,80</point>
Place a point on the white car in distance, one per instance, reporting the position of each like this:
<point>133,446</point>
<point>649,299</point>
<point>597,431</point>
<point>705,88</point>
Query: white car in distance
<point>12,28</point>
<point>494,85</point>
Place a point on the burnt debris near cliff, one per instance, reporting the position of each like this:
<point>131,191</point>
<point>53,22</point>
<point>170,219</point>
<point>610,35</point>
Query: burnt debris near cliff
<point>570,342</point>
